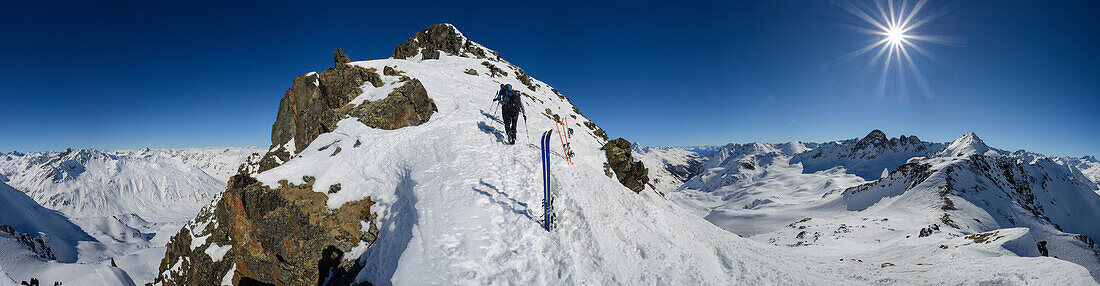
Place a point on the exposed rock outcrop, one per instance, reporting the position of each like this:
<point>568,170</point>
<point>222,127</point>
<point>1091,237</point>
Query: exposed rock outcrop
<point>341,58</point>
<point>33,243</point>
<point>596,130</point>
<point>312,106</point>
<point>438,38</point>
<point>632,174</point>
<point>281,236</point>
<point>878,139</point>
<point>407,105</point>
<point>525,79</point>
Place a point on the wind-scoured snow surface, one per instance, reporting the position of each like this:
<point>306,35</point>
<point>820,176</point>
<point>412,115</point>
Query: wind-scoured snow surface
<point>941,203</point>
<point>91,207</point>
<point>456,206</point>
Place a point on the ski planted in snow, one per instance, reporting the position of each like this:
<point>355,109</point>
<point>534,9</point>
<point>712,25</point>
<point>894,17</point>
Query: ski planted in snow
<point>547,196</point>
<point>563,135</point>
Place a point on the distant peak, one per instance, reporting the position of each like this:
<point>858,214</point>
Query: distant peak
<point>875,138</point>
<point>968,144</point>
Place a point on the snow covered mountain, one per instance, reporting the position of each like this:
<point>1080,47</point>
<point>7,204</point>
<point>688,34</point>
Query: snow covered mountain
<point>869,157</point>
<point>1088,165</point>
<point>941,197</point>
<point>438,199</point>
<point>676,164</point>
<point>93,228</point>
<point>155,184</point>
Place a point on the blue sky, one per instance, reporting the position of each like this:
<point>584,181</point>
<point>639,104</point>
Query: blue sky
<point>131,74</point>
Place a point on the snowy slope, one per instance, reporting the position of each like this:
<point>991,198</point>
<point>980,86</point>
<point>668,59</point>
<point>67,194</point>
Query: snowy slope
<point>759,192</point>
<point>154,184</point>
<point>456,206</point>
<point>26,216</point>
<point>64,239</point>
<point>100,201</point>
<point>1088,165</point>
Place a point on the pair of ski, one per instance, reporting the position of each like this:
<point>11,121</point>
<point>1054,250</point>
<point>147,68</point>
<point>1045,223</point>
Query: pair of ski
<point>547,196</point>
<point>563,135</point>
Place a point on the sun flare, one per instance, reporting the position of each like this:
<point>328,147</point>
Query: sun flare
<point>896,24</point>
<point>895,36</point>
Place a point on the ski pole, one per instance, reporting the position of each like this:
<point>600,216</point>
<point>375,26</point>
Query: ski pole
<point>525,131</point>
<point>495,111</point>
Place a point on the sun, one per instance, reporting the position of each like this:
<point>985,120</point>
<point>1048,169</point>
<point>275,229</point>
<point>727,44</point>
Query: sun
<point>895,36</point>
<point>897,25</point>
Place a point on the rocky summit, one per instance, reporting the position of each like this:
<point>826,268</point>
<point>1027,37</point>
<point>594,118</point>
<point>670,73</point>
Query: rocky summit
<point>428,43</point>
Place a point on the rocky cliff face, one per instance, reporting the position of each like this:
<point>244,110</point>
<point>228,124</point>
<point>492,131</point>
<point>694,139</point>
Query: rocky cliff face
<point>256,235</point>
<point>309,107</point>
<point>315,102</point>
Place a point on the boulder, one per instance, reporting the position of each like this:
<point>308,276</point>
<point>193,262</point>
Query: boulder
<point>407,105</point>
<point>632,174</point>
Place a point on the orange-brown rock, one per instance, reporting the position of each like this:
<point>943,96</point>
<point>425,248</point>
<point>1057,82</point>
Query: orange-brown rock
<point>281,236</point>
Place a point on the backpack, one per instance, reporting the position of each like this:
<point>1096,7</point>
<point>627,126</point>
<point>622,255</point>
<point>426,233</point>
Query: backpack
<point>511,99</point>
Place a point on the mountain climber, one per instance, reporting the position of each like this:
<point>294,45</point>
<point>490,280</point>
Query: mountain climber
<point>501,92</point>
<point>493,71</point>
<point>511,106</point>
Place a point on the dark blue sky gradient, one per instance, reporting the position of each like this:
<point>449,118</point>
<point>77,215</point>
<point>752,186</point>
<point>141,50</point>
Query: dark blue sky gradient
<point>131,74</point>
